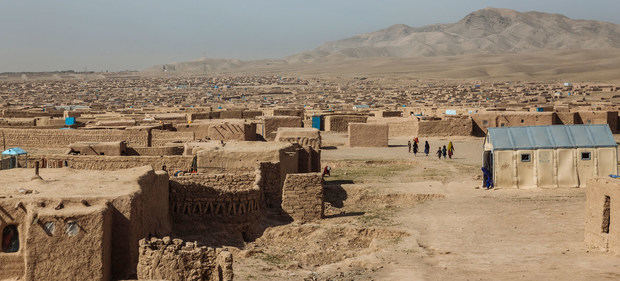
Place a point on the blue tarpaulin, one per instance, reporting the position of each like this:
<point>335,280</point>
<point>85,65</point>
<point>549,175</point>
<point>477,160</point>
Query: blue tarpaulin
<point>70,121</point>
<point>14,151</point>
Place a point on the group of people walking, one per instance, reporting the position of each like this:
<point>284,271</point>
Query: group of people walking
<point>441,151</point>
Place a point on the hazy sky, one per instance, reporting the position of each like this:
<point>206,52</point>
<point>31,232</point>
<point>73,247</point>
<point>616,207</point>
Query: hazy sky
<point>111,35</point>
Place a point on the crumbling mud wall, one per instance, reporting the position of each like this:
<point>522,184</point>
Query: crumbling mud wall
<point>302,197</point>
<point>309,139</point>
<point>176,260</point>
<point>340,123</point>
<point>368,135</point>
<point>49,138</point>
<point>271,181</point>
<point>232,199</point>
<point>602,227</point>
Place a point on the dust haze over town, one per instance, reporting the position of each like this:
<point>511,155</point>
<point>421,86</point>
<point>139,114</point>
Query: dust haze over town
<point>348,140</point>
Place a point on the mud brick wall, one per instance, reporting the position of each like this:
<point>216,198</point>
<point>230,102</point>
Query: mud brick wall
<point>604,117</point>
<point>566,118</point>
<point>251,114</point>
<point>272,123</point>
<point>271,181</point>
<point>49,138</point>
<point>368,135</point>
<point>602,225</point>
<point>111,163</point>
<point>403,127</point>
<point>155,151</point>
<point>4,163</point>
<point>340,123</point>
<point>302,197</point>
<point>176,260</point>
<point>231,114</point>
<point>445,128</point>
<point>231,131</point>
<point>288,112</point>
<point>229,198</point>
<point>482,121</point>
<point>162,137</point>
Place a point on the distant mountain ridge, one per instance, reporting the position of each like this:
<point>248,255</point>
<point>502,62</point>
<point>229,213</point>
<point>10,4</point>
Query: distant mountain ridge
<point>486,31</point>
<point>489,30</point>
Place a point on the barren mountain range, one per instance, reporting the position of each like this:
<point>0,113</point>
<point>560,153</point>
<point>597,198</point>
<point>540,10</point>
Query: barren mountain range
<point>489,31</point>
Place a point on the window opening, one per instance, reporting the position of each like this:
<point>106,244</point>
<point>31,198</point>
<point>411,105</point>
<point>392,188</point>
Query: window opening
<point>526,157</point>
<point>10,239</point>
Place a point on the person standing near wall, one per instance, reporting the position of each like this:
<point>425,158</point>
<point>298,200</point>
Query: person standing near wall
<point>450,149</point>
<point>409,145</point>
<point>427,148</point>
<point>415,148</point>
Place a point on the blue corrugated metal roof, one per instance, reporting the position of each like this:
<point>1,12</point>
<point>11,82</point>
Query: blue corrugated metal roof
<point>554,136</point>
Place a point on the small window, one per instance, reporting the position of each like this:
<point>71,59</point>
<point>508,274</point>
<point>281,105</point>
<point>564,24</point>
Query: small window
<point>522,121</point>
<point>10,239</point>
<point>503,124</point>
<point>586,156</point>
<point>485,122</point>
<point>526,157</point>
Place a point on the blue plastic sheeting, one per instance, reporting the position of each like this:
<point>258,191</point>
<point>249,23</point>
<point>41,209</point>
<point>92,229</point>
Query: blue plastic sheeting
<point>317,122</point>
<point>554,136</point>
<point>14,151</point>
<point>70,121</point>
<point>450,112</point>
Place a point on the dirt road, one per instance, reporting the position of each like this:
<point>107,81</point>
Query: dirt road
<point>420,218</point>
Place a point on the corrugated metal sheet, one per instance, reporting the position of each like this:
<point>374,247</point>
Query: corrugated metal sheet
<point>554,136</point>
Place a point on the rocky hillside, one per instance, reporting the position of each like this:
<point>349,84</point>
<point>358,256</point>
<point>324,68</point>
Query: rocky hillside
<point>489,30</point>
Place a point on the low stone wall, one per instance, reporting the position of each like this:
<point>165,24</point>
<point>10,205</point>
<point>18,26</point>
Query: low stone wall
<point>368,135</point>
<point>176,260</point>
<point>302,197</point>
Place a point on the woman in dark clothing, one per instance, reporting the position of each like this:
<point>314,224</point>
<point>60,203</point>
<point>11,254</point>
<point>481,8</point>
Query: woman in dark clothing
<point>444,151</point>
<point>415,149</point>
<point>439,153</point>
<point>427,148</point>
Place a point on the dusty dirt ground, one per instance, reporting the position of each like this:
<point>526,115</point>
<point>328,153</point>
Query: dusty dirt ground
<point>392,216</point>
